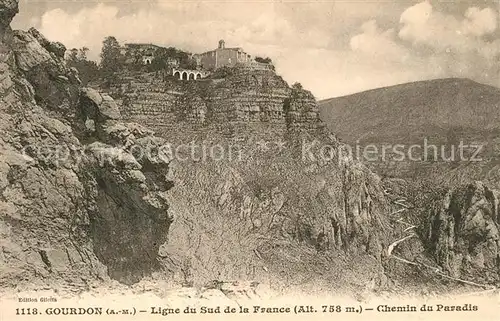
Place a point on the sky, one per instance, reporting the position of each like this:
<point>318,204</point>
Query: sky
<point>332,47</point>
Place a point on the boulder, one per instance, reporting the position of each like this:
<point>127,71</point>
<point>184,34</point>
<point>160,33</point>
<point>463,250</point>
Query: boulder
<point>92,94</point>
<point>108,108</point>
<point>44,42</point>
<point>28,51</point>
<point>56,48</point>
<point>100,106</point>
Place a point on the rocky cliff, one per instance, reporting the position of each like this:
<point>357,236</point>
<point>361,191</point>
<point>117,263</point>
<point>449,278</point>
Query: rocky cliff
<point>86,198</point>
<point>76,207</point>
<point>238,104</point>
<point>463,232</point>
<point>260,181</point>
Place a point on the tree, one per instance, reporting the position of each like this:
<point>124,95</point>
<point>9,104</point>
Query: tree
<point>297,86</point>
<point>266,61</point>
<point>222,72</point>
<point>82,53</point>
<point>186,61</point>
<point>111,58</point>
<point>72,55</point>
<point>160,60</point>
<point>163,55</point>
<point>87,69</point>
<point>158,63</point>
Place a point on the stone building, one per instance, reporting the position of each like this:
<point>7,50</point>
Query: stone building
<point>222,56</point>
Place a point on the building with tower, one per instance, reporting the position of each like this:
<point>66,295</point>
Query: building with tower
<point>222,57</point>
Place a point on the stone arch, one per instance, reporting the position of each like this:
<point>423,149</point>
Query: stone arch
<point>191,76</point>
<point>177,74</point>
<point>197,75</point>
<point>186,74</point>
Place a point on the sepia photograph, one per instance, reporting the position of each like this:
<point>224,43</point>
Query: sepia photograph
<point>279,159</point>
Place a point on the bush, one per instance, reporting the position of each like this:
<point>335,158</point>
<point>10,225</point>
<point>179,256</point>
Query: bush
<point>223,72</point>
<point>266,60</point>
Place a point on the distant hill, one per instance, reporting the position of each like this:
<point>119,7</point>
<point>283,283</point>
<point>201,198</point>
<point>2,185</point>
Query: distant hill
<point>443,111</point>
<point>422,107</point>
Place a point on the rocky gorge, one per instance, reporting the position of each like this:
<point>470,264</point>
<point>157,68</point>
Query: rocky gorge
<point>88,198</point>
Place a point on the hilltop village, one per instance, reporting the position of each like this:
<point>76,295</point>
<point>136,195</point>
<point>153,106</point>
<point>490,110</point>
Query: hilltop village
<point>188,66</point>
<point>221,92</point>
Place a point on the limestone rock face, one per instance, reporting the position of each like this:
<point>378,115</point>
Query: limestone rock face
<point>8,9</point>
<point>464,233</point>
<point>56,87</point>
<point>273,213</point>
<point>76,208</point>
<point>243,103</point>
<point>275,219</point>
<point>270,195</point>
<point>86,197</point>
<point>29,52</point>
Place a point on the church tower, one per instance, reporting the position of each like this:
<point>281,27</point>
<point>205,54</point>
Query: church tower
<point>222,44</point>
